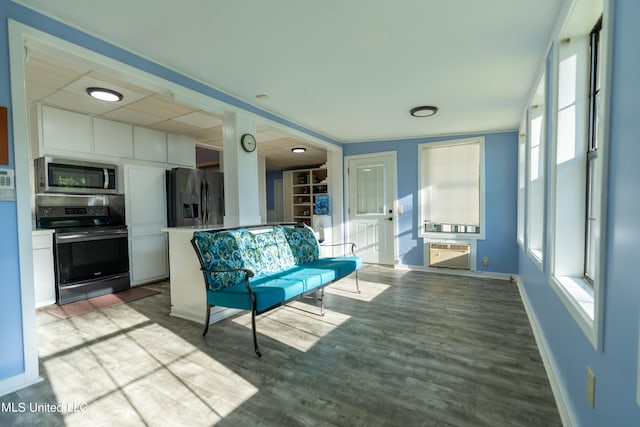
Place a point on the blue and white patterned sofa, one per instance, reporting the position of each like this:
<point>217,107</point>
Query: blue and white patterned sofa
<point>259,268</point>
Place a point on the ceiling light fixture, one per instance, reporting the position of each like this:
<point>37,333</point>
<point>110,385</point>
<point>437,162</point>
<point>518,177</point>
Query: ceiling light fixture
<point>103,94</point>
<point>298,150</point>
<point>262,96</point>
<point>424,111</point>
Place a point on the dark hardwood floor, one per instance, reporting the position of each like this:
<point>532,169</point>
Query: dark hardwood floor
<point>413,349</point>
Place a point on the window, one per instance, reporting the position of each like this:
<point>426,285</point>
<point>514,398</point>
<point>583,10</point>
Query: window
<point>593,181</point>
<point>578,175</point>
<point>536,193</point>
<point>451,179</point>
<point>371,189</point>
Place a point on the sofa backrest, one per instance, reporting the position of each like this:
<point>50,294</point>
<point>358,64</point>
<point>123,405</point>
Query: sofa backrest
<point>303,243</point>
<point>221,251</point>
<point>262,252</point>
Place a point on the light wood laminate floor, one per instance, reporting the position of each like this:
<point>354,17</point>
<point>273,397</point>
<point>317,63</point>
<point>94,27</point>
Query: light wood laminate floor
<point>413,349</point>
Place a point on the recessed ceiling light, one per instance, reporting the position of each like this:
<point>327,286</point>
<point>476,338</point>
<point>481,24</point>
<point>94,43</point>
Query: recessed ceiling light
<point>298,150</point>
<point>103,94</point>
<point>262,96</point>
<point>424,111</point>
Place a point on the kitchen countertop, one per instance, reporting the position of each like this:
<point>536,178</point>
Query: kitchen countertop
<point>191,228</point>
<point>42,231</point>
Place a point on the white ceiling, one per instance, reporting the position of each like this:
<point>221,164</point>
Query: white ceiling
<point>350,70</point>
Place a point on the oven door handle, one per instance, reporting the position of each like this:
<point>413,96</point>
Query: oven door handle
<point>105,279</point>
<point>81,237</point>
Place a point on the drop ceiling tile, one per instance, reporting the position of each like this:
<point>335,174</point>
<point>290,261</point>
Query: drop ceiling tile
<point>129,115</point>
<point>173,126</point>
<point>200,119</point>
<point>79,103</point>
<point>161,106</point>
<point>210,134</point>
<point>50,75</point>
<point>36,91</point>
<point>264,136</point>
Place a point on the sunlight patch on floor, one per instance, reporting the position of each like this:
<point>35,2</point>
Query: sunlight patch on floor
<point>297,325</point>
<point>115,374</point>
<point>347,288</point>
<point>66,335</point>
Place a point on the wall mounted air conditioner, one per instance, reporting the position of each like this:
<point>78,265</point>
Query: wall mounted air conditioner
<point>449,255</point>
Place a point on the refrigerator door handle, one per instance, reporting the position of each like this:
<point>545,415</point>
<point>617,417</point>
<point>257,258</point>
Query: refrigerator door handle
<point>206,202</point>
<point>202,206</point>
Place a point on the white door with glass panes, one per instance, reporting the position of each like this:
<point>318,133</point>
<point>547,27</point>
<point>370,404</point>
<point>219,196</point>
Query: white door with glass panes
<point>371,214</point>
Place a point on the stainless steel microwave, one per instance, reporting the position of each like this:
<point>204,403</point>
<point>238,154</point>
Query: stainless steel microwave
<point>74,177</point>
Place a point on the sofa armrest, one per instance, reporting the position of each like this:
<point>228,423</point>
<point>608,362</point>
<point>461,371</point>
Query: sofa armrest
<point>351,244</point>
<point>247,275</point>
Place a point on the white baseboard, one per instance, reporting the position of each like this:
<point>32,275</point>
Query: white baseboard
<point>222,313</point>
<point>456,272</point>
<point>566,413</point>
<point>18,382</point>
<point>217,314</point>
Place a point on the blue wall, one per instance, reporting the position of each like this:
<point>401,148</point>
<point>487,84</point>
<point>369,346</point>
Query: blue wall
<point>501,174</point>
<point>616,366</point>
<point>272,176</point>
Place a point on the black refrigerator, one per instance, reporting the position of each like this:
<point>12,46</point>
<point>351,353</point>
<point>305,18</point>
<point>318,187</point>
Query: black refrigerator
<point>195,197</point>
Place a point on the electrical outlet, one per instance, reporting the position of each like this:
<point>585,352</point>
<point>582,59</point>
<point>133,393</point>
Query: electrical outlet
<point>591,387</point>
<point>485,261</point>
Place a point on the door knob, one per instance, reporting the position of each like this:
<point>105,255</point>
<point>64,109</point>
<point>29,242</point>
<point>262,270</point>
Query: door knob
<point>390,219</point>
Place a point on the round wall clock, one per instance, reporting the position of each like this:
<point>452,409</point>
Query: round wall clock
<point>248,142</point>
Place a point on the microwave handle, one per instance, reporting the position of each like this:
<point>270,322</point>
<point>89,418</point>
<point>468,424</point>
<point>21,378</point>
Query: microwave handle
<point>105,173</point>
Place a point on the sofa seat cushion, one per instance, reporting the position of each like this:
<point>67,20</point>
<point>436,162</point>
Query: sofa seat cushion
<point>272,289</point>
<point>268,294</point>
<point>342,266</point>
<point>310,277</point>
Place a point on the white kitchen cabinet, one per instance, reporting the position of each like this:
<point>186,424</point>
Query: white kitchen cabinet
<point>56,131</point>
<point>43,273</point>
<point>112,138</point>
<point>146,214</point>
<point>151,258</point>
<point>149,144</point>
<point>181,150</point>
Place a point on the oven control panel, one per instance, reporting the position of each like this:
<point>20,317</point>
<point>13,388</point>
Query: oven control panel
<point>72,211</point>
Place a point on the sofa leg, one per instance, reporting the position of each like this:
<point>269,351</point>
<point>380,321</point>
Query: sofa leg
<point>357,283</point>
<point>322,301</point>
<point>206,320</point>
<point>253,327</point>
